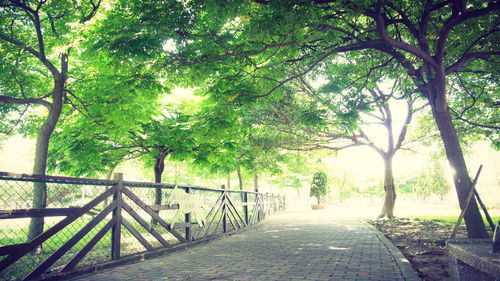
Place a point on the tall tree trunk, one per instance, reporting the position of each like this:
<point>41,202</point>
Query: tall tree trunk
<point>42,147</point>
<point>108,177</point>
<point>255,182</point>
<point>228,180</point>
<point>390,192</point>
<point>176,170</point>
<point>158,169</point>
<point>240,179</point>
<point>109,174</point>
<point>473,220</point>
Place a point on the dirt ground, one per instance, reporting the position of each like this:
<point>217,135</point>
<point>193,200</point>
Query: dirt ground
<point>422,243</point>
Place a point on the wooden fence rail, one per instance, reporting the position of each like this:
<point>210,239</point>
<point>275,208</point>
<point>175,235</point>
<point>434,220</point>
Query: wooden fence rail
<point>114,217</point>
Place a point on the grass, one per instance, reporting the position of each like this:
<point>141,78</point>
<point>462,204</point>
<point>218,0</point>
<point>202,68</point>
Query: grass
<point>30,261</point>
<point>451,220</point>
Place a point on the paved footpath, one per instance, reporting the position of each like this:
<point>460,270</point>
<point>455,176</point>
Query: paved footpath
<point>290,246</point>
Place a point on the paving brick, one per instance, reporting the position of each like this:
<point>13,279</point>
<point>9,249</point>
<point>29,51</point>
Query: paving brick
<point>284,247</point>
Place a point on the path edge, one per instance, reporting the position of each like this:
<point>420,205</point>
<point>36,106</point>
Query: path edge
<point>404,265</point>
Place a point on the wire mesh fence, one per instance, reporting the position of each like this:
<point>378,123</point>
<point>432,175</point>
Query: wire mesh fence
<point>127,218</point>
<point>17,194</point>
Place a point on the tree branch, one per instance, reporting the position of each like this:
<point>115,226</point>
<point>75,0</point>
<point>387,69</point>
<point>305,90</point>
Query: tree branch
<point>342,49</point>
<point>18,120</point>
<point>93,12</point>
<point>20,44</point>
<point>370,143</point>
<point>381,30</point>
<point>466,57</point>
<point>404,129</point>
<point>458,117</point>
<point>232,54</point>
<point>460,15</point>
<point>11,100</point>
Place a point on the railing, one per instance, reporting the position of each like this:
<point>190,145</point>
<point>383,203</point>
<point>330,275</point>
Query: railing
<point>90,222</point>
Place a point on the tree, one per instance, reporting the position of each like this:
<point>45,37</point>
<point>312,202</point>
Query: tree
<point>319,186</point>
<point>170,137</point>
<point>260,46</point>
<point>237,142</point>
<point>432,181</point>
<point>315,122</point>
<point>101,148</point>
<point>345,185</point>
<point>37,41</point>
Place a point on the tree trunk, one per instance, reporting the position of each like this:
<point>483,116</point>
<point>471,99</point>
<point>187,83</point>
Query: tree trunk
<point>108,177</point>
<point>176,173</point>
<point>390,192</point>
<point>255,182</point>
<point>473,220</point>
<point>240,179</point>
<point>228,180</point>
<point>158,169</point>
<point>42,147</point>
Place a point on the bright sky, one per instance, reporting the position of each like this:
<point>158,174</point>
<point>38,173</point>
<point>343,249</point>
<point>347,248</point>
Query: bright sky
<point>17,155</point>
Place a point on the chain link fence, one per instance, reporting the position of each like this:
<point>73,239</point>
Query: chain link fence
<point>17,194</point>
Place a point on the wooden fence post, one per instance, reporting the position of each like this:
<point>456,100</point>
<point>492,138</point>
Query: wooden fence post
<point>117,218</point>
<point>268,203</point>
<point>245,206</point>
<point>224,226</point>
<point>188,221</point>
<point>258,207</point>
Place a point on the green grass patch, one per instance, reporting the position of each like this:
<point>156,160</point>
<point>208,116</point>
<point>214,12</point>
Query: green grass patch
<point>451,220</point>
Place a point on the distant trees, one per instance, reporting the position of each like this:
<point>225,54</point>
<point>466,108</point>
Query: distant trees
<point>344,185</point>
<point>431,180</point>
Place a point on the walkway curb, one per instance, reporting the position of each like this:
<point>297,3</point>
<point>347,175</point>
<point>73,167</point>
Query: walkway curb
<point>404,265</point>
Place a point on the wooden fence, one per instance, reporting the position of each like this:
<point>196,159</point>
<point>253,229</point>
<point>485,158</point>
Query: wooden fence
<point>101,222</point>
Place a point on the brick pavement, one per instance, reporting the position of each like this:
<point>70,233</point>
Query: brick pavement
<point>291,246</point>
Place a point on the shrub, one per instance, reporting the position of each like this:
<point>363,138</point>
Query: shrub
<point>319,186</point>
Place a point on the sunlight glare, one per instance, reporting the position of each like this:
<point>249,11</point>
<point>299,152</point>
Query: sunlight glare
<point>183,98</point>
<point>169,46</point>
<point>336,248</point>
